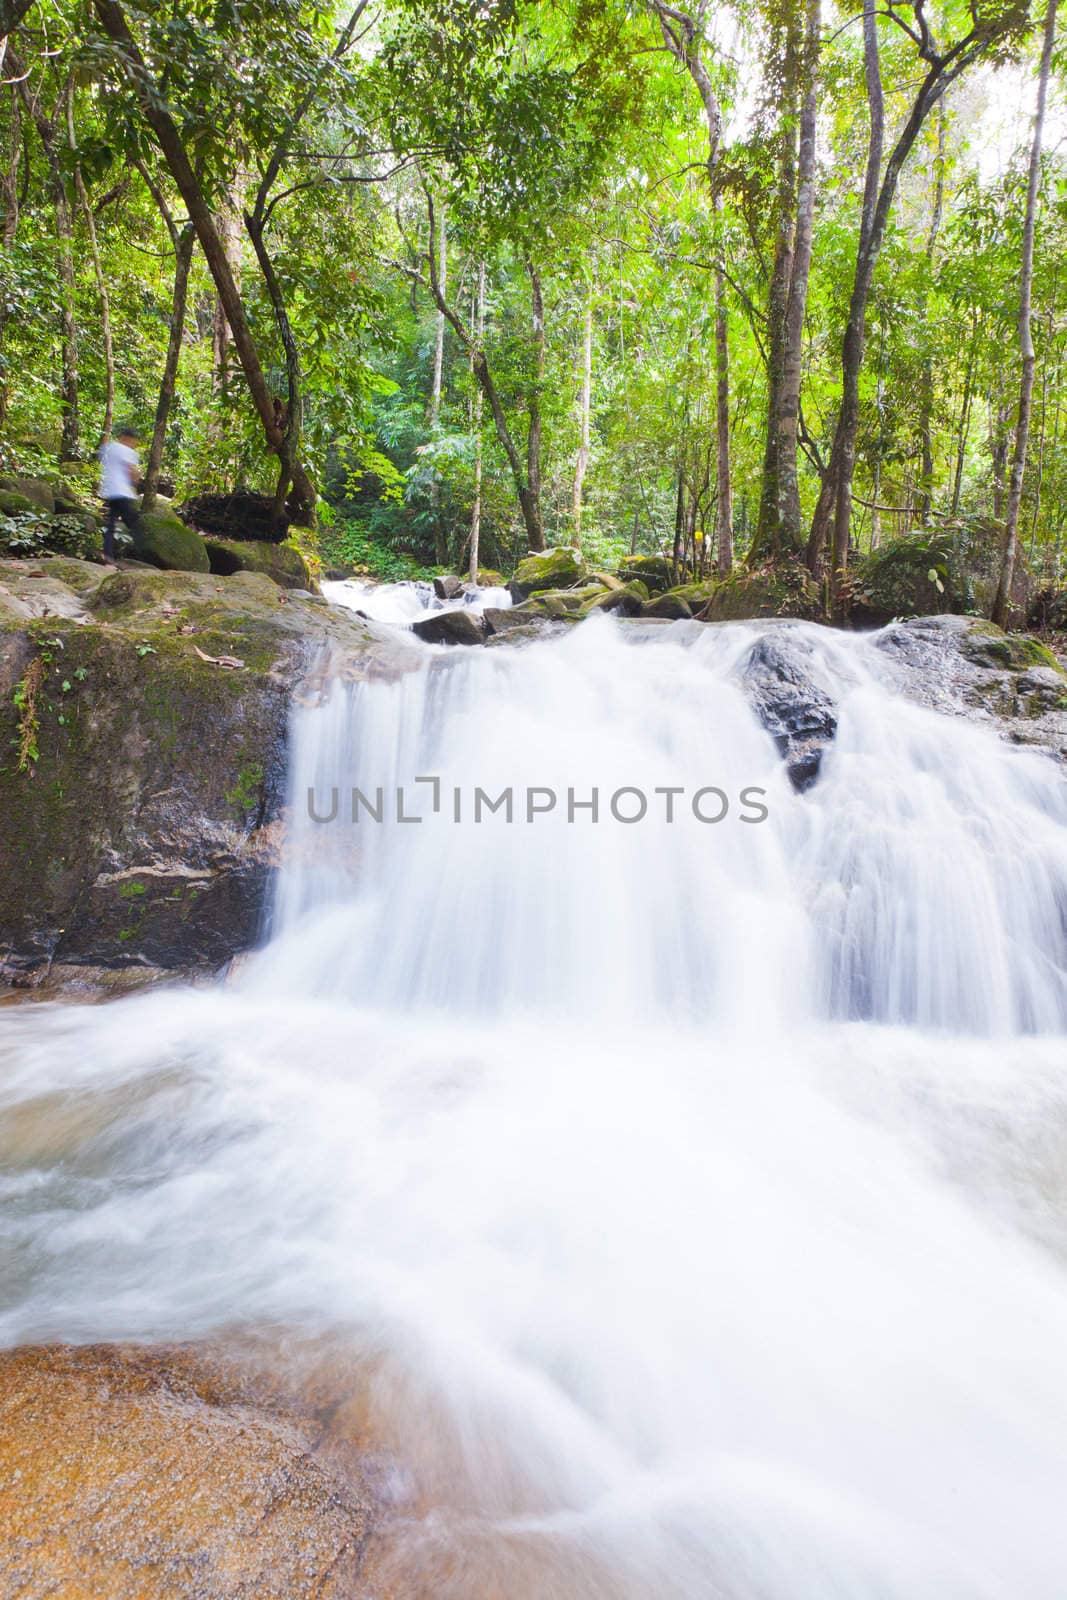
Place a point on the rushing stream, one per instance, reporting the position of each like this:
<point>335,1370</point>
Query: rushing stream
<point>695,1191</point>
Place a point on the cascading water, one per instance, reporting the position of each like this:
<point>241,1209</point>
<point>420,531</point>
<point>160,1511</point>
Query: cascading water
<point>690,1191</point>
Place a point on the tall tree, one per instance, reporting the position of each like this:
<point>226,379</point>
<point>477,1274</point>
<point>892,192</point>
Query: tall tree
<point>991,27</point>
<point>281,431</point>
<point>1002,602</point>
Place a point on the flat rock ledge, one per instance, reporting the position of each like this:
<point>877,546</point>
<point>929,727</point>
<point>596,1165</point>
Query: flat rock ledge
<point>171,1473</point>
<point>143,741</point>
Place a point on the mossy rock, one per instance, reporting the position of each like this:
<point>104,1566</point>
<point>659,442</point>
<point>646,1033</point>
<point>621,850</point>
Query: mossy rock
<point>489,578</point>
<point>671,606</point>
<point>164,541</point>
<point>556,602</point>
<point>13,504</point>
<point>561,568</point>
<point>282,562</point>
<point>629,600</point>
<point>694,595</point>
<point>34,490</point>
<point>139,830</point>
<point>785,590</point>
<point>655,571</point>
<point>989,646</point>
<point>916,576</point>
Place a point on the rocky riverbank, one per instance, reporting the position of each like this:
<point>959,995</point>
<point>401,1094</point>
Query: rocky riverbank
<point>144,713</point>
<point>143,721</point>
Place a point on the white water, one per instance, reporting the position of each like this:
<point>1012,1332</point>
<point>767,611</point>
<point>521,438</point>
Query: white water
<point>697,1191</point>
<point>404,603</point>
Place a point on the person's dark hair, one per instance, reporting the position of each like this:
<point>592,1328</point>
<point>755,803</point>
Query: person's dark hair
<point>128,433</point>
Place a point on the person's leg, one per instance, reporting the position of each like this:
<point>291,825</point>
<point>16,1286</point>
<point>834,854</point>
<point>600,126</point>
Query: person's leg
<point>110,525</point>
<point>131,515</point>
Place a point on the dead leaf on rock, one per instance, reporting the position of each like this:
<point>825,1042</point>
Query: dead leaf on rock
<point>230,663</point>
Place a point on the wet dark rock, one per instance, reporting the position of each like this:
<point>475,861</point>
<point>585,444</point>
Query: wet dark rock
<point>450,627</point>
<point>778,676</point>
<point>447,587</point>
<point>240,515</point>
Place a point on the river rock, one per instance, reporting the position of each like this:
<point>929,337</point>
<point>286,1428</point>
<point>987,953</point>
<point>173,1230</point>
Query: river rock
<point>674,607</point>
<point>131,1473</point>
<point>448,586</point>
<point>560,568</point>
<point>655,571</point>
<point>164,541</point>
<point>504,621</point>
<point>627,601</point>
<point>450,627</point>
<point>143,782</point>
<point>784,590</point>
<point>779,674</point>
<point>282,562</point>
<point>968,667</point>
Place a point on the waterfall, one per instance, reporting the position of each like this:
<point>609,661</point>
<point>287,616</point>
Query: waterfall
<point>690,1190</point>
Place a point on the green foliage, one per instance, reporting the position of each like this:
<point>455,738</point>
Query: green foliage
<point>348,544</point>
<point>34,533</point>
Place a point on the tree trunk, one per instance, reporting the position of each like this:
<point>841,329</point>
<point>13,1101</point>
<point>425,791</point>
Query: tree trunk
<point>70,441</point>
<point>926,398</point>
<point>790,534</point>
<point>154,108</point>
<point>529,503</point>
<point>9,194</point>
<point>228,222</point>
<point>581,465</point>
<point>476,509</point>
<point>834,508</point>
<point>98,273</point>
<point>766,543</point>
<point>183,256</point>
<point>439,342</point>
<point>533,437</point>
<point>290,468</point>
<point>835,500</point>
<point>724,505</point>
<point>961,436</point>
<point>1002,603</point>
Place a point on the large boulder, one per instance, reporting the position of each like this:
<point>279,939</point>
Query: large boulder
<point>966,666</point>
<point>560,568</point>
<point>144,781</point>
<point>654,571</point>
<point>671,607</point>
<point>562,602</point>
<point>34,491</point>
<point>242,514</point>
<point>627,601</point>
<point>784,590</point>
<point>282,562</point>
<point>450,627</point>
<point>164,541</point>
<point>132,1473</point>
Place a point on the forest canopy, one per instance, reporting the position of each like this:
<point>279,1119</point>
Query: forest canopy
<point>771,283</point>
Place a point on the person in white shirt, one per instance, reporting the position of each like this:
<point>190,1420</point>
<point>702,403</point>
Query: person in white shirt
<point>120,478</point>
